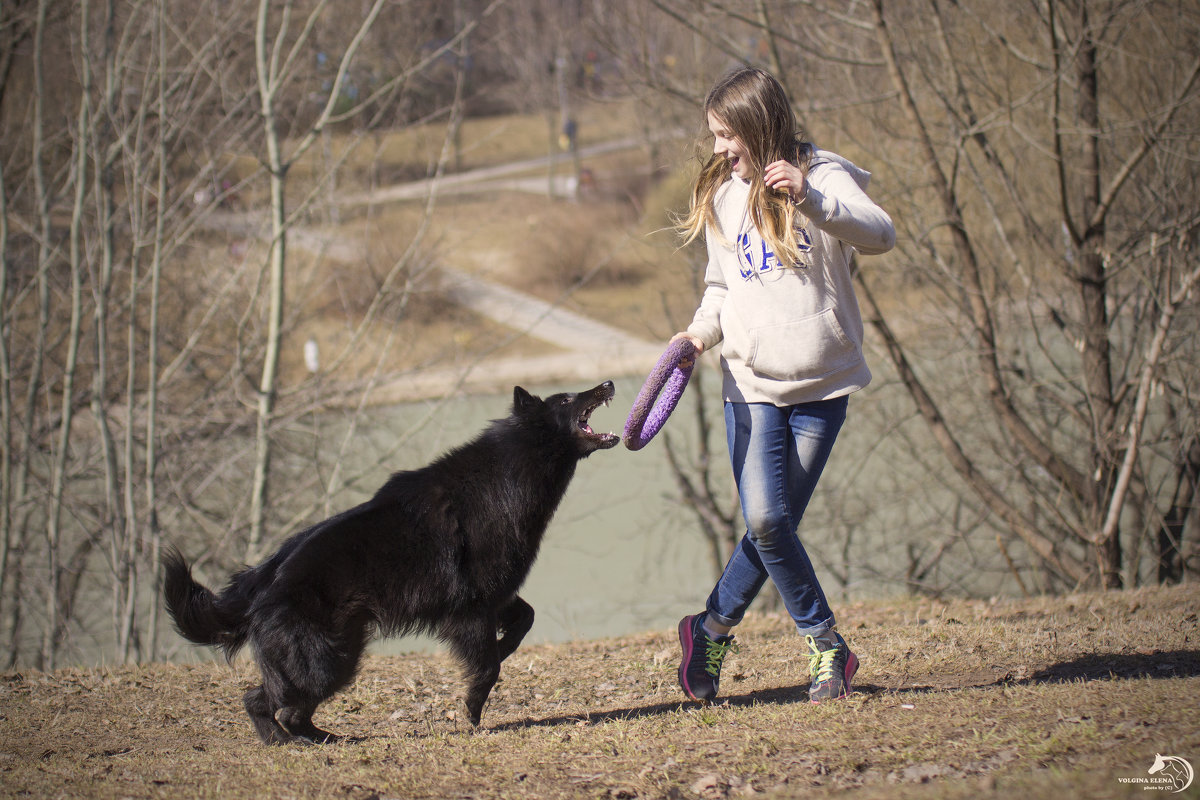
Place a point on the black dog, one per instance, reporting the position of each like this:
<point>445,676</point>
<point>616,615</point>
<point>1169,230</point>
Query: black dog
<point>442,549</point>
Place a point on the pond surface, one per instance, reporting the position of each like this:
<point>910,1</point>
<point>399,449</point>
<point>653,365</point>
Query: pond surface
<point>623,554</point>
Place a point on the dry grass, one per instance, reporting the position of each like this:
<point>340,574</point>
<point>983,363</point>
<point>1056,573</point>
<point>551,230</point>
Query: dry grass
<point>1044,698</point>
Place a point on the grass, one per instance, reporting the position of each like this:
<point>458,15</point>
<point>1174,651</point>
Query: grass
<point>1042,698</point>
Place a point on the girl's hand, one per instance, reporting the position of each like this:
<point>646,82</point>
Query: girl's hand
<point>699,345</point>
<point>783,176</point>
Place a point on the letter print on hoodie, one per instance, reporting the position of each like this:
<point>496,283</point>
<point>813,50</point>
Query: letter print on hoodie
<point>754,258</point>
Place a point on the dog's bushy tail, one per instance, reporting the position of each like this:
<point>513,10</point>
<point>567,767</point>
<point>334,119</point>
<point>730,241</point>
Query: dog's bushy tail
<point>201,616</point>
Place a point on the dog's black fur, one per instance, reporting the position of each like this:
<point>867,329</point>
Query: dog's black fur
<point>442,549</point>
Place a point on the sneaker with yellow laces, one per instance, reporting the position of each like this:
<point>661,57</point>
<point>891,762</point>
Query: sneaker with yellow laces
<point>700,670</point>
<point>831,665</point>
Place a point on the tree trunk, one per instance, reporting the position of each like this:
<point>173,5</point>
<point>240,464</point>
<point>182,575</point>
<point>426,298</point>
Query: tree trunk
<point>277,261</point>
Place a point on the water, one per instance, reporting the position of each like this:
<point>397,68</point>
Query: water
<point>624,555</point>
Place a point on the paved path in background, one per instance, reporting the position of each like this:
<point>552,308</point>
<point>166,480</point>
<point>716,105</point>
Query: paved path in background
<point>476,180</point>
<point>592,350</point>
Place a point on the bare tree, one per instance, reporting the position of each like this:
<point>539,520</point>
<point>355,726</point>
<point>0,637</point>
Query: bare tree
<point>703,486</point>
<point>277,50</point>
<point>541,49</point>
<point>1036,161</point>
<point>276,53</point>
<point>1020,246</point>
<point>124,356</point>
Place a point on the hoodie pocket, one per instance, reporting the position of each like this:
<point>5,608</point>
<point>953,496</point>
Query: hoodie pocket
<point>802,349</point>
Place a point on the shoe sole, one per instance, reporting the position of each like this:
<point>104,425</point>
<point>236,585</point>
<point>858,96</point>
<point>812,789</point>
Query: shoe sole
<point>685,640</point>
<point>851,668</point>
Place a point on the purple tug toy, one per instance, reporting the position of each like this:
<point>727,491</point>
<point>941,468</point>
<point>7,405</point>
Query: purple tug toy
<point>659,394</point>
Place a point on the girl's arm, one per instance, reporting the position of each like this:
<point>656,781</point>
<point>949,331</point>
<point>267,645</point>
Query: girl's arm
<point>836,205</point>
<point>705,329</point>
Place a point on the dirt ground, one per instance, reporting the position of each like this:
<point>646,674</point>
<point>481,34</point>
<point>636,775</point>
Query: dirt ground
<point>1047,698</point>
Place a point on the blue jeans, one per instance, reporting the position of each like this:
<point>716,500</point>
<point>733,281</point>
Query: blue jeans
<point>777,455</point>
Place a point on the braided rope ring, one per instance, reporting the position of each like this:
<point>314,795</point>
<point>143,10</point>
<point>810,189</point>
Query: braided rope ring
<point>660,393</point>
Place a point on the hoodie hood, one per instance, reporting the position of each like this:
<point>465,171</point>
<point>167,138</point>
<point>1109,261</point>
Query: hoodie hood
<point>860,175</point>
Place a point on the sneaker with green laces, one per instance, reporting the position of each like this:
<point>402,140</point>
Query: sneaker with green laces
<point>831,665</point>
<point>700,670</point>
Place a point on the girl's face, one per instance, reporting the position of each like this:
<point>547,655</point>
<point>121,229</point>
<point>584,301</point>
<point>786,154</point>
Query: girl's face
<point>728,146</point>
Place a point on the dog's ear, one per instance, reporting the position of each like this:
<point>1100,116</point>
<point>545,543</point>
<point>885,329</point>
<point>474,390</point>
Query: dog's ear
<point>522,399</point>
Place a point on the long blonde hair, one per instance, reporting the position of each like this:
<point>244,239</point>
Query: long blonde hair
<point>755,109</point>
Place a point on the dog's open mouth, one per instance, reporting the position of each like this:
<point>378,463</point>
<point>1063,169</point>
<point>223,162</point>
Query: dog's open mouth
<point>602,440</point>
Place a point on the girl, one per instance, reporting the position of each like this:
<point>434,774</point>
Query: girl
<point>781,221</point>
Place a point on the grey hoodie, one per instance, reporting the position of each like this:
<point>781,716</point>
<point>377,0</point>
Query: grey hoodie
<point>791,334</point>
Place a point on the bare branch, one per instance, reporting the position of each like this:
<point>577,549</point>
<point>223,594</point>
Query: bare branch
<point>1122,175</point>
